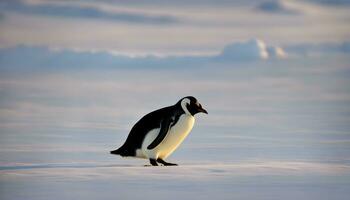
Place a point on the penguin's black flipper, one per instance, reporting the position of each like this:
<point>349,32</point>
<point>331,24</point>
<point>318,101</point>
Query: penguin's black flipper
<point>164,128</point>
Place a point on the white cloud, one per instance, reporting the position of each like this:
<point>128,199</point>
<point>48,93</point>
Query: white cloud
<point>280,7</point>
<point>88,12</point>
<point>332,2</point>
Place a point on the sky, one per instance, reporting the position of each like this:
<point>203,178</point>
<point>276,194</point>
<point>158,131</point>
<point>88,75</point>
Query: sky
<point>170,28</point>
<point>274,76</point>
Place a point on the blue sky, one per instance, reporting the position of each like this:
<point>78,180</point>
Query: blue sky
<point>273,75</point>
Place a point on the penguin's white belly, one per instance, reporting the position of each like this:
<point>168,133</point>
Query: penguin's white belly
<point>172,140</point>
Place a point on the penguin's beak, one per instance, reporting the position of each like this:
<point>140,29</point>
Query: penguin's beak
<point>202,110</point>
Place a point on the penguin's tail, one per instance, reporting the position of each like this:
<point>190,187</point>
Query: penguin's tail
<point>121,151</point>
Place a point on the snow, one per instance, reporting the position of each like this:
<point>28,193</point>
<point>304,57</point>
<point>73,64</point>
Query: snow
<point>247,180</point>
<point>276,129</point>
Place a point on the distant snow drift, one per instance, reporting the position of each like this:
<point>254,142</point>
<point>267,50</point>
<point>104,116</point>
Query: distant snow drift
<point>42,57</point>
<point>46,58</point>
<point>254,49</point>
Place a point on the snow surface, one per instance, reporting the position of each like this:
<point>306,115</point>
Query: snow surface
<point>247,180</point>
<point>276,129</point>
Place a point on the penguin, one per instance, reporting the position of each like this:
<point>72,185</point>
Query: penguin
<point>156,135</point>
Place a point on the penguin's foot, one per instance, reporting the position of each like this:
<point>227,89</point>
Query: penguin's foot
<point>161,161</point>
<point>153,162</point>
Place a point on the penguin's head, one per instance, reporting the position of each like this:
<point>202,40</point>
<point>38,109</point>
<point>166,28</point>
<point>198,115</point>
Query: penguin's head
<point>191,105</point>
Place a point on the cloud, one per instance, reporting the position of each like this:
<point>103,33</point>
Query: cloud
<point>197,30</point>
<point>332,2</point>
<point>253,49</point>
<point>279,7</point>
<point>87,12</point>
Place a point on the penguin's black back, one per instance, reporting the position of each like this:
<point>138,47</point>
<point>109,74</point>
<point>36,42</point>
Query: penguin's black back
<point>144,125</point>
